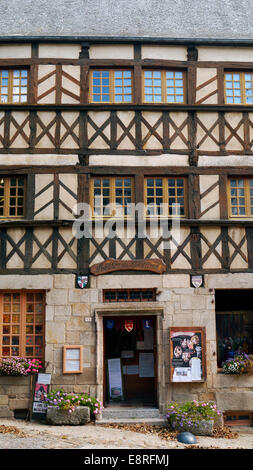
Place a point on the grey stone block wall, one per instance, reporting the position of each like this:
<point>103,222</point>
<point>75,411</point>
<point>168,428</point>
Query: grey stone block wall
<point>14,395</point>
<point>172,19</point>
<point>72,318</point>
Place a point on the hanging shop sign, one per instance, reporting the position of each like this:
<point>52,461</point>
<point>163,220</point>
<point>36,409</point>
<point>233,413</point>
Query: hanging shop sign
<point>110,324</point>
<point>82,281</point>
<point>146,324</point>
<point>110,265</point>
<point>129,324</point>
<point>39,408</point>
<point>187,354</point>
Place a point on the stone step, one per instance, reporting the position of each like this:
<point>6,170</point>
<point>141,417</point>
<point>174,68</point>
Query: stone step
<point>117,412</point>
<point>151,421</point>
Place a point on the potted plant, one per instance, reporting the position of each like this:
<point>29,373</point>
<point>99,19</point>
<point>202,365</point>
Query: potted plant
<point>199,418</point>
<point>19,366</point>
<point>71,408</point>
<point>241,363</point>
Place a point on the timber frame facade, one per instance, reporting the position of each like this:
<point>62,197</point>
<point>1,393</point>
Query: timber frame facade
<point>59,141</point>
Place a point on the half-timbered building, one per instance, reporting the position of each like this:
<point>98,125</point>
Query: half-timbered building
<point>126,120</point>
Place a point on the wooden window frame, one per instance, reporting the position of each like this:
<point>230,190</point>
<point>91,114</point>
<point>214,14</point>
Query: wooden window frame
<point>111,86</point>
<point>165,195</point>
<point>65,348</point>
<point>164,86</point>
<point>7,198</point>
<point>129,291</point>
<point>229,312</point>
<point>242,87</point>
<point>238,422</point>
<point>112,194</point>
<point>10,85</point>
<point>23,323</point>
<point>246,188</point>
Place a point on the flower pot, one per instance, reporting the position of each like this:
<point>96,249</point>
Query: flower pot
<point>81,415</point>
<point>200,428</point>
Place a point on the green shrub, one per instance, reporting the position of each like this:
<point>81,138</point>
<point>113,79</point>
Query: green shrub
<point>189,414</point>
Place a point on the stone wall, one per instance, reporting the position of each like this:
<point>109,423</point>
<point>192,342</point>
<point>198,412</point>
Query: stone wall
<point>74,316</point>
<point>14,395</point>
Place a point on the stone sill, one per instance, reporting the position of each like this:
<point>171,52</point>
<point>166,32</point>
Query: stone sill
<point>9,379</point>
<point>222,380</point>
<point>246,374</point>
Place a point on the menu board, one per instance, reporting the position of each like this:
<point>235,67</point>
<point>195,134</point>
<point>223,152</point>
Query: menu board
<point>72,359</point>
<point>41,387</point>
<point>115,379</point>
<point>187,354</point>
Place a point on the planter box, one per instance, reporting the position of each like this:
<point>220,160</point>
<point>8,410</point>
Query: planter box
<point>203,428</point>
<point>81,415</point>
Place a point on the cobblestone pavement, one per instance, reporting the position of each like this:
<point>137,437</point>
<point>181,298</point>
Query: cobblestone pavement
<point>41,436</point>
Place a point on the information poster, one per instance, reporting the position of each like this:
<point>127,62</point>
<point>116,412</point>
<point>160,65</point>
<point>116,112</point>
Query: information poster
<point>72,359</point>
<point>115,379</point>
<point>39,408</point>
<point>187,354</point>
<point>146,365</point>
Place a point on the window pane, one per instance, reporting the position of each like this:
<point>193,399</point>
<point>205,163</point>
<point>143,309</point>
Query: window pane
<point>175,91</point>
<point>152,87</point>
<point>233,88</point>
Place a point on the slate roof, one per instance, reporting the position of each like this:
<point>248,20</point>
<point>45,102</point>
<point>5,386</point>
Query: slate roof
<point>216,19</point>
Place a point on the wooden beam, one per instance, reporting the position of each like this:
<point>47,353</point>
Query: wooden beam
<point>223,184</point>
<point>30,195</point>
<point>193,197</point>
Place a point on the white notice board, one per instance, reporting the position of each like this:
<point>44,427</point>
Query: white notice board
<point>115,379</point>
<point>146,365</point>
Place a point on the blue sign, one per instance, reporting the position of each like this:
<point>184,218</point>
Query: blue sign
<point>109,324</point>
<point>146,323</point>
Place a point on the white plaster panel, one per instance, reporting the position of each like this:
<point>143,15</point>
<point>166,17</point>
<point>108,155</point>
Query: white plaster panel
<point>225,54</point>
<point>230,160</point>
<point>229,281</point>
<point>38,160</point>
<point>111,51</point>
<point>135,160</point>
<point>59,51</point>
<point>38,281</point>
<point>15,51</point>
<point>164,52</point>
<point>206,181</point>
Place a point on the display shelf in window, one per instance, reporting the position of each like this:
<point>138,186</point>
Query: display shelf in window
<point>238,418</point>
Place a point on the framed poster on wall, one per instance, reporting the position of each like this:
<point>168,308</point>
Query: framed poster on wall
<point>187,354</point>
<point>72,359</point>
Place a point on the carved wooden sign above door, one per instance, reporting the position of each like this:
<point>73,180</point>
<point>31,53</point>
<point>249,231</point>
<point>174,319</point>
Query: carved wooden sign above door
<point>110,265</point>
